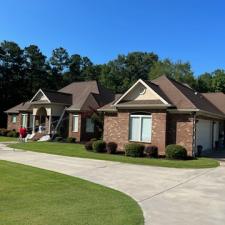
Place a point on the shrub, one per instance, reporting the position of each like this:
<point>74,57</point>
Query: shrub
<point>151,151</point>
<point>12,134</point>
<point>99,146</point>
<point>93,139</point>
<point>58,139</point>
<point>134,150</point>
<point>88,146</point>
<point>176,152</point>
<point>111,147</point>
<point>3,132</point>
<point>71,140</point>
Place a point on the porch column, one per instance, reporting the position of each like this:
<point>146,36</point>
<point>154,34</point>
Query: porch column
<point>33,127</point>
<point>49,124</point>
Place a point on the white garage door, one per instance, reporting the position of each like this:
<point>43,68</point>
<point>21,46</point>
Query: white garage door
<point>204,133</point>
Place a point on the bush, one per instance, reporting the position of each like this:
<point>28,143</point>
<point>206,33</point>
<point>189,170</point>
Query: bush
<point>151,151</point>
<point>134,150</point>
<point>93,139</point>
<point>71,140</point>
<point>176,152</point>
<point>12,134</point>
<point>111,147</point>
<point>88,146</point>
<point>99,146</point>
<point>3,132</point>
<point>58,139</point>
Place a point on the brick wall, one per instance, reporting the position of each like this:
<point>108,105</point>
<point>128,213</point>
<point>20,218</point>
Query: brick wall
<point>11,125</point>
<point>81,135</point>
<point>180,130</point>
<point>116,129</point>
<point>76,135</point>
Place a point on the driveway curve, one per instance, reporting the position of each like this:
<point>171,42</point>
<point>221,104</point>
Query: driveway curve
<point>166,195</point>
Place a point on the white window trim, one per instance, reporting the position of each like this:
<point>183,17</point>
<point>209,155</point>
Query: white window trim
<point>26,115</point>
<point>140,128</point>
<point>14,116</point>
<point>73,120</point>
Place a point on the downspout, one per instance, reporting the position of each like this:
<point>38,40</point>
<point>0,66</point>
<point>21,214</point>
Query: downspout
<point>194,135</point>
<point>212,135</point>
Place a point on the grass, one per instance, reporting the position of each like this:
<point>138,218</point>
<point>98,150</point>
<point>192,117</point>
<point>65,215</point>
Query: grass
<point>31,196</point>
<point>77,150</point>
<point>7,139</point>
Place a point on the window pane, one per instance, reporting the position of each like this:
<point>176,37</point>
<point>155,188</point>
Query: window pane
<point>89,125</point>
<point>24,120</point>
<point>14,118</point>
<point>146,129</point>
<point>75,123</point>
<point>135,128</point>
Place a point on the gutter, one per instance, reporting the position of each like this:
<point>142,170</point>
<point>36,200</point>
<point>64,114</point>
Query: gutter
<point>194,135</point>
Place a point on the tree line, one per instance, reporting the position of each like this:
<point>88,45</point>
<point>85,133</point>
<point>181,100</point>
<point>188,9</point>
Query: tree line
<point>24,70</point>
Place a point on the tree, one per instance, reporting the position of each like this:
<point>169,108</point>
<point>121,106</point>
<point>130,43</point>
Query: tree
<point>36,69</point>
<point>204,83</point>
<point>11,75</point>
<point>179,71</point>
<point>59,60</point>
<point>218,82</point>
<point>121,73</point>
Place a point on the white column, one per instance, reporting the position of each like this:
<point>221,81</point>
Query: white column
<point>49,124</point>
<point>33,128</point>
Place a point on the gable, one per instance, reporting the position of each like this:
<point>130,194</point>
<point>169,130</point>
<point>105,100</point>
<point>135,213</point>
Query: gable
<point>40,97</point>
<point>142,91</point>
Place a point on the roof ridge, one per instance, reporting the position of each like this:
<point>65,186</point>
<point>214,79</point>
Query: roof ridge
<point>171,80</point>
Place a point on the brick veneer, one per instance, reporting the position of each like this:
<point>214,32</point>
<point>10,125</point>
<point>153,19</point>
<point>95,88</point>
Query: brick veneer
<point>116,128</point>
<point>180,130</point>
<point>81,135</point>
<point>11,125</point>
<point>76,135</point>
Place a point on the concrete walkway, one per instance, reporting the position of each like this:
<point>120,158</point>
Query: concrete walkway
<point>167,196</point>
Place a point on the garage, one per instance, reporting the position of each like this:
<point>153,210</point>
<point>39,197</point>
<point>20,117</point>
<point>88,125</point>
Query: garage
<point>207,131</point>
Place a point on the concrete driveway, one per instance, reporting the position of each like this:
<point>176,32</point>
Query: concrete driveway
<point>167,196</point>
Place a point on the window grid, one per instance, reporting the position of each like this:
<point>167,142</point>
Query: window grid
<point>140,117</point>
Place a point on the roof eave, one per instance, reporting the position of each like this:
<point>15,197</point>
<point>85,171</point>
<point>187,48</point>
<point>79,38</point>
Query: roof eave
<point>147,106</point>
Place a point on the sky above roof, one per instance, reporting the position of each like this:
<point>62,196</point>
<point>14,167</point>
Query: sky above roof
<point>186,30</point>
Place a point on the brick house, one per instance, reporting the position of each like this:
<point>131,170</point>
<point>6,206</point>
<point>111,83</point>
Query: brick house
<point>68,110</point>
<point>164,111</point>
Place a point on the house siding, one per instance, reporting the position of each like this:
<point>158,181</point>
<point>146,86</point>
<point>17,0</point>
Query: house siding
<point>116,129</point>
<point>180,130</point>
<point>11,125</point>
<point>73,134</point>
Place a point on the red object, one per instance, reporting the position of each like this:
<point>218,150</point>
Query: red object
<point>23,132</point>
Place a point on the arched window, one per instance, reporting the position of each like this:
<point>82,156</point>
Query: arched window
<point>140,128</point>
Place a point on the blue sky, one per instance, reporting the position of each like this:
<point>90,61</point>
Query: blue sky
<point>189,30</point>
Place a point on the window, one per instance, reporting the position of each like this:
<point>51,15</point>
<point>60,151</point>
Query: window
<point>13,119</point>
<point>140,128</point>
<point>89,126</point>
<point>24,120</point>
<point>75,123</point>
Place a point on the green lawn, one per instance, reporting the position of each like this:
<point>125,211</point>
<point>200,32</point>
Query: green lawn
<point>7,139</point>
<point>31,196</point>
<point>77,150</point>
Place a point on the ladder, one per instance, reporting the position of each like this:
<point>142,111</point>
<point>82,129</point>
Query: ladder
<point>60,120</point>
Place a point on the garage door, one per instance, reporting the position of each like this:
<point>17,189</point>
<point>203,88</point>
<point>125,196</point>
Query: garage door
<point>204,133</point>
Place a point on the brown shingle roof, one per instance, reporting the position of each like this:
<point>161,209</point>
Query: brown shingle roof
<point>217,99</point>
<point>58,97</point>
<point>24,107</point>
<point>184,97</point>
<point>81,94</point>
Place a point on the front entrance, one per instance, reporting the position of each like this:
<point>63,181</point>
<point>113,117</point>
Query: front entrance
<point>41,121</point>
